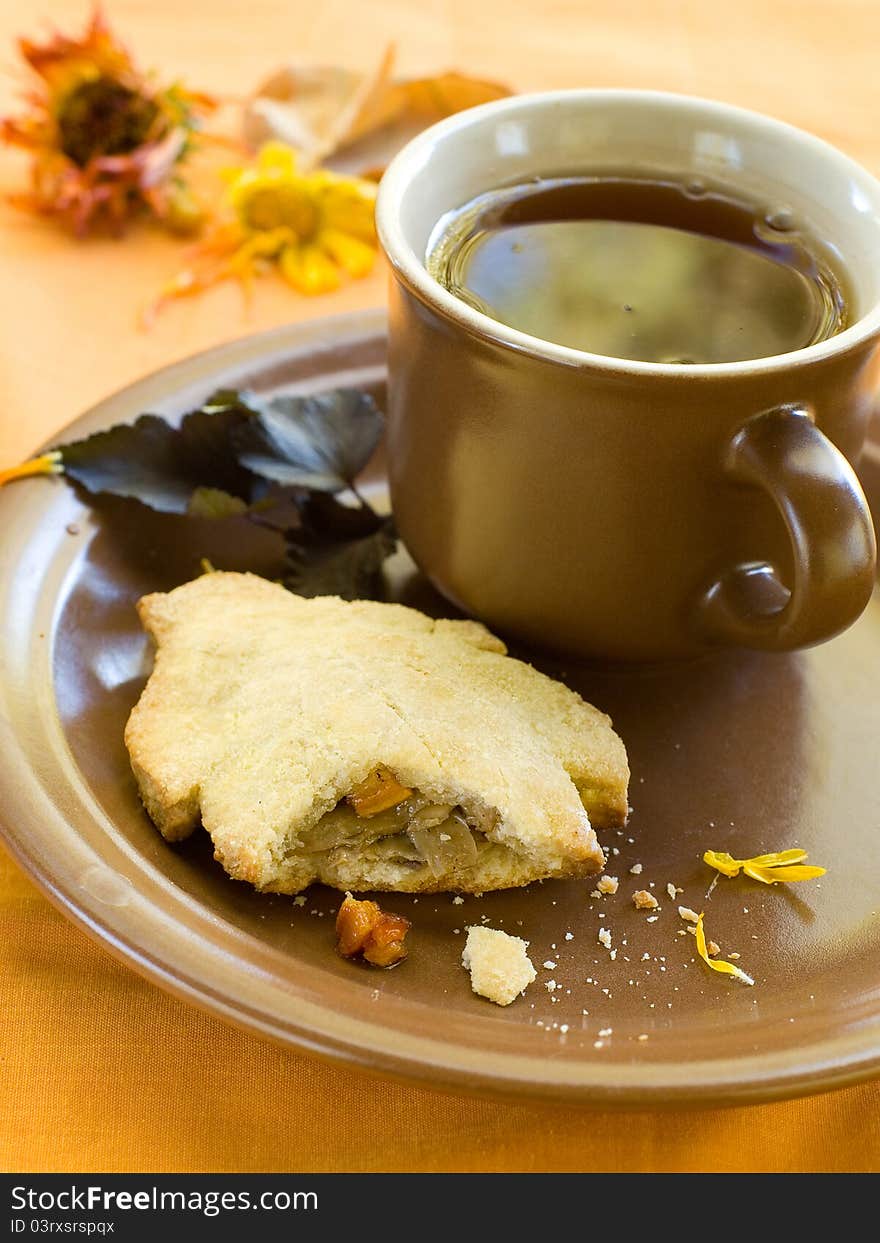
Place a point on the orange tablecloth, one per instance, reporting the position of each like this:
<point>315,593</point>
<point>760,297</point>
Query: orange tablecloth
<point>102,1071</point>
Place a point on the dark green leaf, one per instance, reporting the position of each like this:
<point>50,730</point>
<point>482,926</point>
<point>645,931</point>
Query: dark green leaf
<point>320,442</point>
<point>160,465</point>
<point>275,463</point>
<point>339,550</point>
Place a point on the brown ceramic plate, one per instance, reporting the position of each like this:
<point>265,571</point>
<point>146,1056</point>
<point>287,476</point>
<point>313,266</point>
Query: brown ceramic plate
<point>743,753</point>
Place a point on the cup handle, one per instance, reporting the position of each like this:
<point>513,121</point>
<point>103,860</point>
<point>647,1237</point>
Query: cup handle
<point>832,539</point>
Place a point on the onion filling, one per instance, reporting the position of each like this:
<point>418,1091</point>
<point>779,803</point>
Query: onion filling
<point>413,834</point>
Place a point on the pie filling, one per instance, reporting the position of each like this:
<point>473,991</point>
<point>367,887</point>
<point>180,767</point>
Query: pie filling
<point>414,832</point>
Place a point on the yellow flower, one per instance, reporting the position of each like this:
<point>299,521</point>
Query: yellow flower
<point>717,964</point>
<point>781,865</point>
<point>105,141</point>
<point>316,227</point>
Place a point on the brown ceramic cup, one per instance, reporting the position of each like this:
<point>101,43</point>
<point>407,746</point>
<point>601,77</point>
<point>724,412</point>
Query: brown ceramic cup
<point>619,509</point>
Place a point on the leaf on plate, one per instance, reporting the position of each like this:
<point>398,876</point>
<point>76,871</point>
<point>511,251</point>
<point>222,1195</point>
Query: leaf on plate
<point>320,442</point>
<point>327,111</point>
<point>160,465</point>
<point>339,550</point>
<point>274,462</point>
<point>226,457</point>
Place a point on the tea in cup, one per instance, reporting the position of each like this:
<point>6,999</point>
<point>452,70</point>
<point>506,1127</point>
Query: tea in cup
<point>632,357</point>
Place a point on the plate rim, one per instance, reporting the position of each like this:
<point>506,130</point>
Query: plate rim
<point>836,1062</point>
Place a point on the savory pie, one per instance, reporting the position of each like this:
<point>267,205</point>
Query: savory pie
<point>364,745</point>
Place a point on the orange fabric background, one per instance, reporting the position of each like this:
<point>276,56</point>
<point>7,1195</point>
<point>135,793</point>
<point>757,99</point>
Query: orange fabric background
<point>102,1071</point>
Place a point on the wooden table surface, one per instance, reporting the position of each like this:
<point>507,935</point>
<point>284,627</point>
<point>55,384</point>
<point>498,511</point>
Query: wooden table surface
<point>68,316</point>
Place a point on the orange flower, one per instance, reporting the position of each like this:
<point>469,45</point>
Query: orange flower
<point>106,142</point>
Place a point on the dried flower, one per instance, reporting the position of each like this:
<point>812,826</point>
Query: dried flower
<point>316,227</point>
<point>106,142</point>
<point>781,865</point>
<point>717,964</point>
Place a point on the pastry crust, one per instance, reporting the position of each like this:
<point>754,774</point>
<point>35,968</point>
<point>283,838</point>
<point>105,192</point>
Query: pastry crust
<point>265,710</point>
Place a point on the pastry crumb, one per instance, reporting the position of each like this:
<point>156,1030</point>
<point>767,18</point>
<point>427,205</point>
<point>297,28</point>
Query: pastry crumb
<point>605,938</point>
<point>713,948</point>
<point>607,884</point>
<point>686,913</point>
<point>499,965</point>
<point>644,901</point>
<point>636,869</point>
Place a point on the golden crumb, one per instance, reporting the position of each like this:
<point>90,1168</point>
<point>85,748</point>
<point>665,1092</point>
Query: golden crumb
<point>644,901</point>
<point>607,884</point>
<point>499,966</point>
<point>713,948</point>
<point>686,913</point>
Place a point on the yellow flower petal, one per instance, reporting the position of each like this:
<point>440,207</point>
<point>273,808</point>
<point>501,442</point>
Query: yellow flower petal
<point>277,158</point>
<point>267,245</point>
<point>770,869</point>
<point>778,857</point>
<point>349,205</point>
<point>722,862</point>
<point>717,964</point>
<point>773,875</point>
<point>309,270</point>
<point>355,256</point>
<point>48,464</point>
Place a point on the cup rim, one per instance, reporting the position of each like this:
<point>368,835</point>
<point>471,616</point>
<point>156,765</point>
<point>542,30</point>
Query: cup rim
<point>411,269</point>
